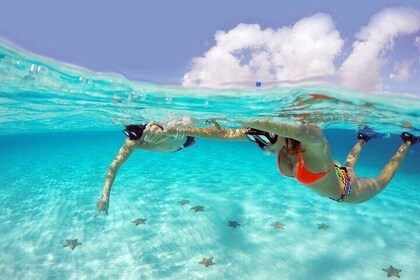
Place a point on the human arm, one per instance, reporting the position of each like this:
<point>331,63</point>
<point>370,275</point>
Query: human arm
<point>302,133</point>
<point>186,126</point>
<point>151,134</point>
<point>210,132</point>
<point>123,154</point>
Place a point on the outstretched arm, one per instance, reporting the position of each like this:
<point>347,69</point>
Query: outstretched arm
<point>123,154</point>
<point>302,133</point>
<point>211,132</point>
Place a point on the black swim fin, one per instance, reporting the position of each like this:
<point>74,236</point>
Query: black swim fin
<point>406,136</point>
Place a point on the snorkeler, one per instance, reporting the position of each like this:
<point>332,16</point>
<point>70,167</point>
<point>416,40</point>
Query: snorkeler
<point>143,137</point>
<point>303,152</point>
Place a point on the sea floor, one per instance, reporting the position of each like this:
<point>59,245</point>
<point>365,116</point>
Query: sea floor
<point>49,185</point>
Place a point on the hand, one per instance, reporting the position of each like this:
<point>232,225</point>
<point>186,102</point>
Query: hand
<point>214,122</point>
<point>102,205</point>
<point>168,130</point>
<point>153,133</point>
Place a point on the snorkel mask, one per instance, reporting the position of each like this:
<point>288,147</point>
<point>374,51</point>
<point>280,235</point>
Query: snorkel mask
<point>262,138</point>
<point>134,132</point>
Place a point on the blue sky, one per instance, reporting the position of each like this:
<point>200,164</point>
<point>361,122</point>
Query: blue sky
<point>227,43</point>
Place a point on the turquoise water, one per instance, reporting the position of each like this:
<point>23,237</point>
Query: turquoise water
<point>61,128</point>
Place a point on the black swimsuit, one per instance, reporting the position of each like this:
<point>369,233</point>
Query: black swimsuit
<point>188,143</point>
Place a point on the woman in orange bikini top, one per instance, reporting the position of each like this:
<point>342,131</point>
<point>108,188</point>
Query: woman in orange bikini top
<point>309,159</point>
<point>303,175</point>
<point>289,149</point>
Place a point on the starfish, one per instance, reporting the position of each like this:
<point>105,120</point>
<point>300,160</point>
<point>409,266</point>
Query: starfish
<point>207,262</point>
<point>197,208</point>
<point>184,201</point>
<point>72,243</point>
<point>278,225</point>
<point>233,224</point>
<point>323,226</point>
<point>392,271</point>
<point>139,221</point>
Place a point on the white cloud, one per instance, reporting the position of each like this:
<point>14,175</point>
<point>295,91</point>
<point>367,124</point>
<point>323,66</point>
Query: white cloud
<point>304,54</point>
<point>361,70</point>
<point>301,53</point>
<point>417,42</point>
<point>401,71</point>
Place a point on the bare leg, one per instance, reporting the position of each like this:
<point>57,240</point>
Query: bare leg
<point>354,154</point>
<point>391,168</point>
<point>365,189</point>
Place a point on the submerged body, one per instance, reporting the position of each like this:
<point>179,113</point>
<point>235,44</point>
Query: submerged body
<point>303,152</point>
<point>140,137</point>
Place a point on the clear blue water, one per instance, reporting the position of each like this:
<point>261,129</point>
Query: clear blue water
<point>61,128</point>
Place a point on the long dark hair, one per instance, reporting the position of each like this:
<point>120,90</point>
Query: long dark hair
<point>134,131</point>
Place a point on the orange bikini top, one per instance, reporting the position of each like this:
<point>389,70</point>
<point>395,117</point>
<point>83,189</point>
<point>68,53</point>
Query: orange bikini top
<point>303,175</point>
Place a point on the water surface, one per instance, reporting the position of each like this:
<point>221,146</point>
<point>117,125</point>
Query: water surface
<point>60,128</point>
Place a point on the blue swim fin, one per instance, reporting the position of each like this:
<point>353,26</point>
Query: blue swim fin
<point>367,133</point>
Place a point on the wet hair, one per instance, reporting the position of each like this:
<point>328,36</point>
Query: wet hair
<point>132,127</point>
<point>134,131</point>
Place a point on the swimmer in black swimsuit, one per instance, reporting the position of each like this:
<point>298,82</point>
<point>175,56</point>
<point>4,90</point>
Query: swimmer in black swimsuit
<point>141,137</point>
